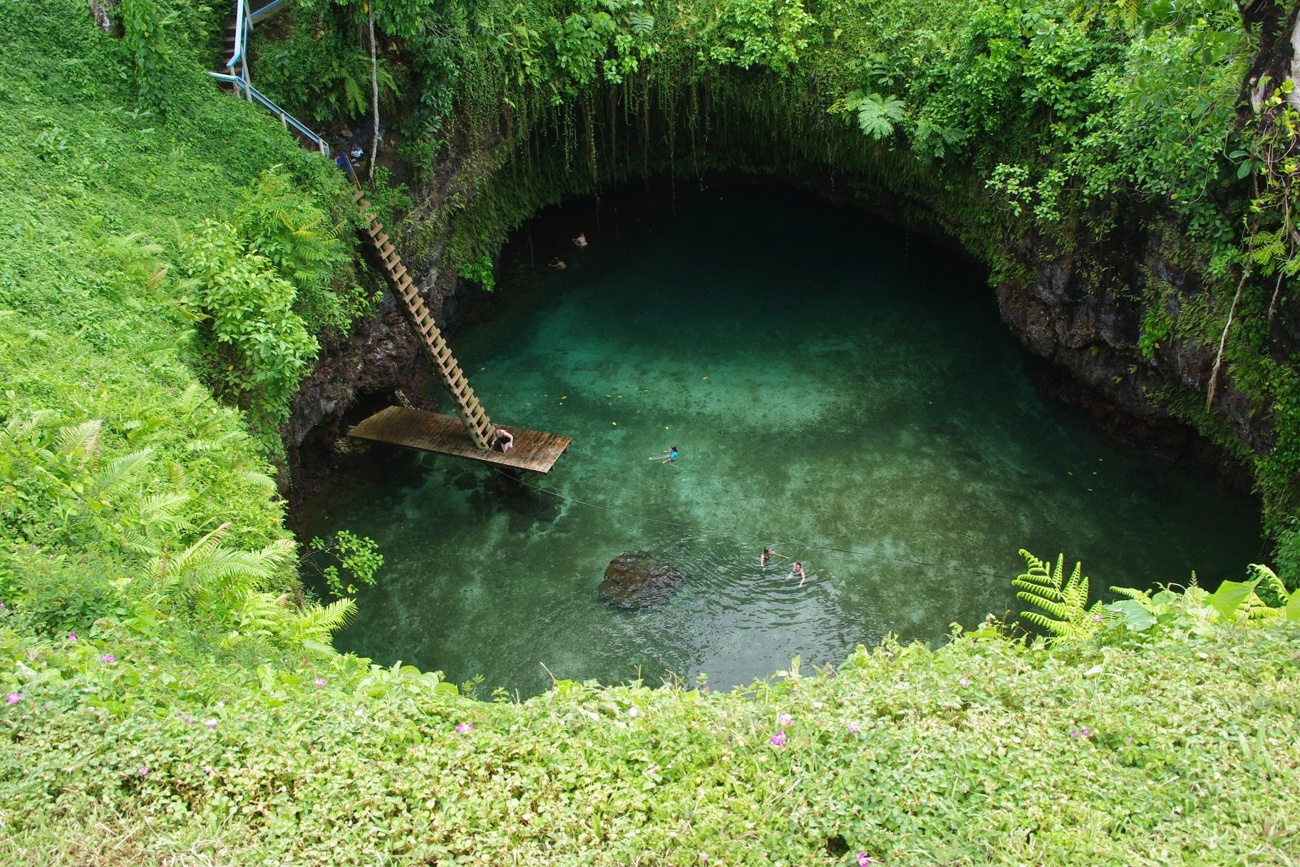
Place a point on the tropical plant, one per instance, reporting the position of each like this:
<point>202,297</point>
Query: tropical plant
<point>358,556</point>
<point>480,271</point>
<point>1065,600</point>
<point>876,115</point>
<point>282,222</point>
<point>263,347</point>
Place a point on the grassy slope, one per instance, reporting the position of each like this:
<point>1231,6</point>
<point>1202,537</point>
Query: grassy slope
<point>178,747</point>
<point>96,196</point>
<point>1182,750</point>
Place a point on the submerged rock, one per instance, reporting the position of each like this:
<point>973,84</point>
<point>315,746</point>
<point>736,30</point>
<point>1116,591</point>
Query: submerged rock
<point>635,579</point>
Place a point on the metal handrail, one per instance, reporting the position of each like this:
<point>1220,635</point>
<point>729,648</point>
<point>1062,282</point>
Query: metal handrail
<point>245,89</point>
<point>239,80</point>
<point>241,34</point>
<point>258,14</point>
<point>244,21</point>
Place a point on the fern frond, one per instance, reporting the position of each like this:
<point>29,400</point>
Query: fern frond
<point>133,540</point>
<point>1066,600</point>
<point>20,427</point>
<point>159,509</point>
<point>80,439</point>
<point>261,480</point>
<point>1133,593</point>
<point>119,470</point>
<point>320,622</point>
<point>259,613</point>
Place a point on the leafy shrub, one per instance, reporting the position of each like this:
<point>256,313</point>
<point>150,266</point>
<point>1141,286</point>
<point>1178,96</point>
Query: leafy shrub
<point>263,347</point>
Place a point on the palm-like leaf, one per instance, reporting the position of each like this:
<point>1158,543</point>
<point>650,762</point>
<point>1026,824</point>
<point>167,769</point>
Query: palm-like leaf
<point>19,427</point>
<point>119,470</point>
<point>207,568</point>
<point>79,440</point>
<point>319,622</point>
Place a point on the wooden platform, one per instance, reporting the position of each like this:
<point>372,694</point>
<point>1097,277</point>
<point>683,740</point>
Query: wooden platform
<point>534,451</point>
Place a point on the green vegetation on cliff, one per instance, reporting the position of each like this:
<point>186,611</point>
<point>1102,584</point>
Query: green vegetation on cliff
<point>170,258</point>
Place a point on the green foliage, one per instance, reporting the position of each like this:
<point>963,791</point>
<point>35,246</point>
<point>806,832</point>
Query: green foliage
<point>911,755</point>
<point>876,115</point>
<point>1238,603</point>
<point>358,556</point>
<point>1064,599</point>
<point>1156,329</point>
<point>769,33</point>
<point>284,223</point>
<point>480,271</point>
<point>318,71</point>
<point>263,347</point>
<point>158,539</point>
<point>146,31</point>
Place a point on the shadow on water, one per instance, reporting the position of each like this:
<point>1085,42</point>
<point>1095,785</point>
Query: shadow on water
<point>865,414</point>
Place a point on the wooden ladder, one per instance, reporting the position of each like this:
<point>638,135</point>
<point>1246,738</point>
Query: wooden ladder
<point>471,412</point>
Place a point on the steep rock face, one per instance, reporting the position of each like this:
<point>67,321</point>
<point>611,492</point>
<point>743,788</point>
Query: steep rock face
<point>1068,317</point>
<point>381,362</point>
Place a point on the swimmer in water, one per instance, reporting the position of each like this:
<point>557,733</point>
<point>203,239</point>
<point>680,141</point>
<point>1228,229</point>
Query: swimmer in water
<point>670,455</point>
<point>767,555</point>
<point>797,571</point>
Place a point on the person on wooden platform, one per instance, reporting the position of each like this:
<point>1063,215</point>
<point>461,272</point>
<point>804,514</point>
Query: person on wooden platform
<point>505,440</point>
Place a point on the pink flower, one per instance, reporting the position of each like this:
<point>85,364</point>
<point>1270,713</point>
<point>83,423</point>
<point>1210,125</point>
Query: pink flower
<point>853,728</point>
<point>144,770</point>
<point>320,681</point>
<point>784,719</point>
<point>964,682</point>
<point>14,697</point>
<point>108,659</point>
<point>863,859</point>
<point>211,724</point>
<point>778,739</point>
<point>72,636</point>
<point>465,728</point>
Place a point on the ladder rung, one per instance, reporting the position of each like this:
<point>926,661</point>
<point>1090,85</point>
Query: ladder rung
<point>364,203</point>
<point>381,239</point>
<point>404,282</point>
<point>374,228</point>
<point>399,270</point>
<point>385,250</point>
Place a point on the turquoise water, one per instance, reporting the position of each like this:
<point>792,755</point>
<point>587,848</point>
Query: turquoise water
<point>838,390</point>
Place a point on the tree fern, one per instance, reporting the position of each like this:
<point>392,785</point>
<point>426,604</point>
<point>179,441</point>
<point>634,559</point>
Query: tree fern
<point>876,114</point>
<point>1065,600</point>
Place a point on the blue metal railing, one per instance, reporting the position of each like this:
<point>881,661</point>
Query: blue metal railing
<point>238,66</point>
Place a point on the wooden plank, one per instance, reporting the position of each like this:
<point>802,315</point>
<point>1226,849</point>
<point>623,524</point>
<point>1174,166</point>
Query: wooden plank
<point>534,451</point>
